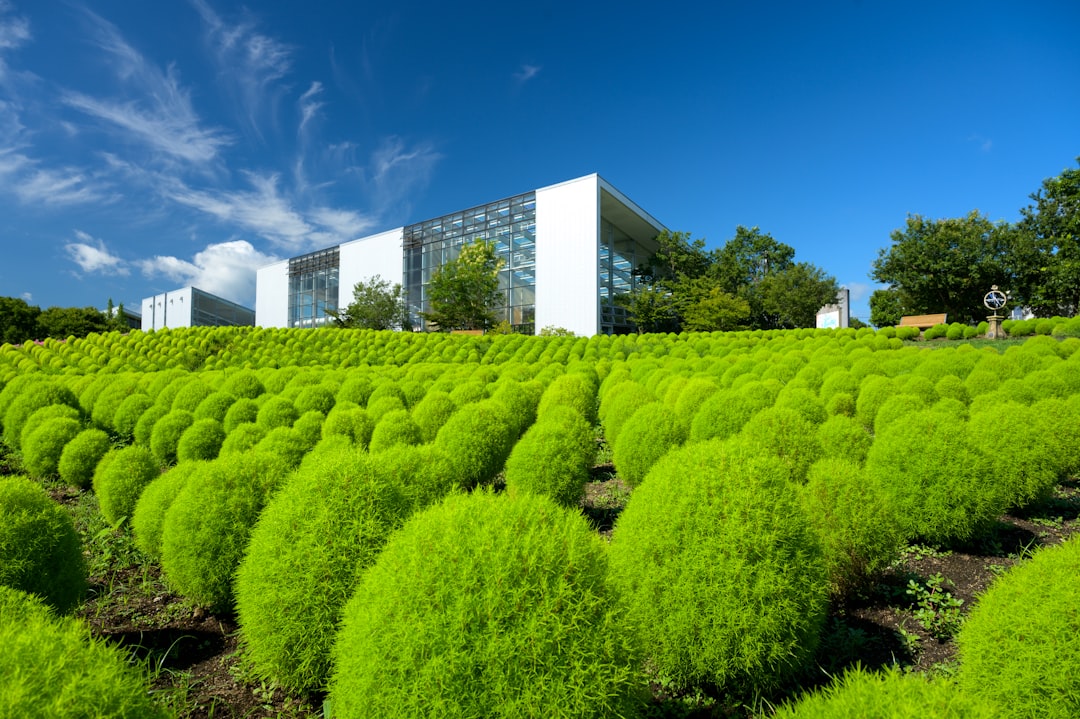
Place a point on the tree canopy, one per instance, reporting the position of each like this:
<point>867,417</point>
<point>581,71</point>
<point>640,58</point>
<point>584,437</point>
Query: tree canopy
<point>750,282</point>
<point>376,305</point>
<point>21,322</point>
<point>1050,235</point>
<point>464,292</point>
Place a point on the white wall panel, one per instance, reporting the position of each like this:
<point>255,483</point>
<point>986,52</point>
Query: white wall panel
<point>272,295</point>
<point>369,256</point>
<point>169,309</point>
<point>567,252</point>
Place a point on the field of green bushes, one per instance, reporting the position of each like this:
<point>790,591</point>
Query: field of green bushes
<point>395,519</point>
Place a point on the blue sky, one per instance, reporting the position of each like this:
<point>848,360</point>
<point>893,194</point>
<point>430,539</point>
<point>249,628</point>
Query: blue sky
<point>145,146</point>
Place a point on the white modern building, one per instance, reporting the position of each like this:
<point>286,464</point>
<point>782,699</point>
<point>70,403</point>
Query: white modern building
<point>567,250</point>
<point>191,307</point>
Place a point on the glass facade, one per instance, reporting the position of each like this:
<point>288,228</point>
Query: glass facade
<point>618,258</point>
<point>210,311</point>
<point>509,223</point>
<point>313,287</point>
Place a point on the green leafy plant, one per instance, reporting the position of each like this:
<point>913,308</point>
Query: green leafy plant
<point>648,435</point>
<point>553,457</point>
<point>45,444</point>
<point>119,479</point>
<point>81,456</point>
<point>936,609</point>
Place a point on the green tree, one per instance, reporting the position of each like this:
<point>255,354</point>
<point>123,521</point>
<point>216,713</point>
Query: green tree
<point>651,307</point>
<point>464,292</point>
<point>747,258</point>
<point>1048,247</point>
<point>62,322</point>
<point>947,265</point>
<point>376,305</point>
<point>677,257</point>
<point>18,320</point>
<point>885,308</point>
<point>791,297</point>
<point>704,307</point>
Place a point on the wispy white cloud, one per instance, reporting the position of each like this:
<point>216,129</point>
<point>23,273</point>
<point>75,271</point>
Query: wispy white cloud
<point>527,72</point>
<point>251,62</point>
<point>263,210</point>
<point>226,269</point>
<point>397,172</point>
<point>985,143</point>
<point>28,297</point>
<point>162,117</point>
<point>93,257</point>
<point>309,105</point>
<point>35,185</point>
<point>15,31</point>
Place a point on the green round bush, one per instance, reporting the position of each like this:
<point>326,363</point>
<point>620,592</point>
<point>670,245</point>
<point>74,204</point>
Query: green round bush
<point>35,396</point>
<point>935,477</point>
<point>165,437</point>
<point>240,412</point>
<point>857,529</point>
<point>486,605</point>
<point>785,434</point>
<point>120,478</point>
<point>378,406</point>
<point>725,413</point>
<point>553,457</point>
<point>1020,645</point>
<point>469,392</point>
<point>81,456</point>
<point>570,390</point>
<point>720,569</point>
<point>693,395</point>
<point>890,694</point>
<point>307,551</point>
<point>349,421</point>
<point>40,551</point>
<point>431,413</point>
<point>896,407</point>
<point>357,387</point>
<point>317,397</point>
<point>521,400</point>
<point>648,435</point>
<point>215,406</point>
<point>201,440</point>
<point>207,526</point>
<point>155,500</point>
<point>803,401</point>
<point>44,414</point>
<point>245,384</point>
<point>619,405</point>
<point>288,445</point>
<point>45,444</point>
<point>144,427</point>
<point>190,395</point>
<point>128,413</point>
<point>109,401</point>
<point>396,427</point>
<point>309,426</point>
<point>477,438</point>
<point>53,667</point>
<point>277,412</point>
<point>242,438</point>
<point>424,473</point>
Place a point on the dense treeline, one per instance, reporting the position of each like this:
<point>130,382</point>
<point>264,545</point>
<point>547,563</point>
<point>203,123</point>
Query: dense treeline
<point>947,265</point>
<point>22,322</point>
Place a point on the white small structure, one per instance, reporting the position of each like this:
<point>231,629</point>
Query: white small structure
<point>191,307</point>
<point>567,249</point>
<point>837,315</point>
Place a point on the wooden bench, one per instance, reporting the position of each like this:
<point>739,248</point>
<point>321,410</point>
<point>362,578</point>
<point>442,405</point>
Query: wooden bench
<point>922,321</point>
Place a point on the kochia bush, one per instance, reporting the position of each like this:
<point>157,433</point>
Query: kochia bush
<point>648,435</point>
<point>53,667</point>
<point>40,551</point>
<point>486,605</point>
<point>45,444</point>
<point>201,440</point>
<point>154,502</point>
<point>81,456</point>
<point>477,438</point>
<point>721,571</point>
<point>553,457</point>
<point>1020,645</point>
<point>396,427</point>
<point>307,551</point>
<point>165,437</point>
<point>207,526</point>
<point>890,694</point>
<point>120,478</point>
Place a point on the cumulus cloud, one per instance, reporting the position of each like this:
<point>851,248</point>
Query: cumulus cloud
<point>162,117</point>
<point>226,269</point>
<point>93,257</point>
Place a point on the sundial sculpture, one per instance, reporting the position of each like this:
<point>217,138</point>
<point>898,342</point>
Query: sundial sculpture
<point>995,300</point>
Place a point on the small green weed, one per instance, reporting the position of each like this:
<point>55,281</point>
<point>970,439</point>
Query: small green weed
<point>916,552</point>
<point>911,641</point>
<point>938,611</point>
